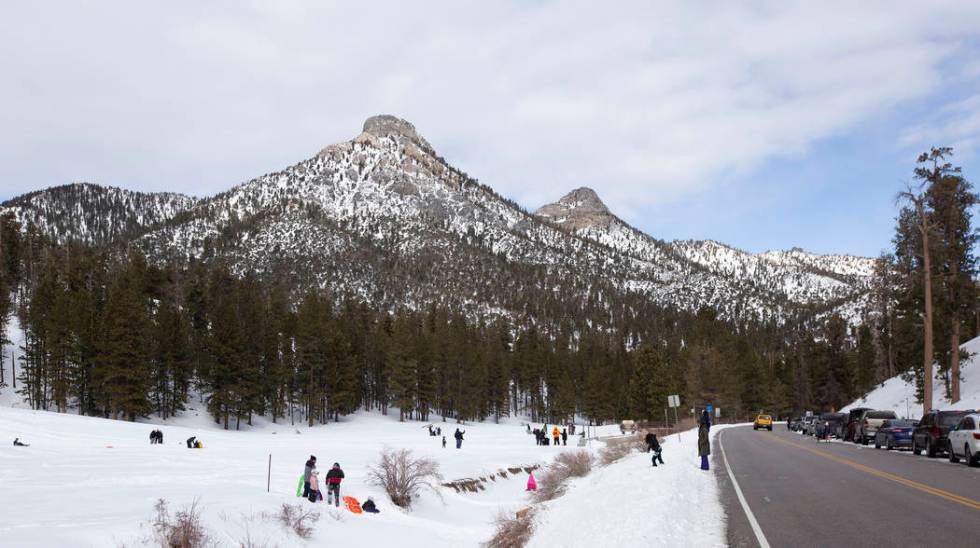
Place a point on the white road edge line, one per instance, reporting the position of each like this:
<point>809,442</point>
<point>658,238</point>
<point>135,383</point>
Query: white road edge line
<point>763,543</point>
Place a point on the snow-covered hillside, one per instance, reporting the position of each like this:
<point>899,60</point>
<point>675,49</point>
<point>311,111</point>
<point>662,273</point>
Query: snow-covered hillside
<point>899,395</point>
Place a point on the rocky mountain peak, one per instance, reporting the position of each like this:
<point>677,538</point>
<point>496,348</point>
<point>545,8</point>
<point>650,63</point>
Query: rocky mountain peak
<point>580,208</point>
<point>384,125</point>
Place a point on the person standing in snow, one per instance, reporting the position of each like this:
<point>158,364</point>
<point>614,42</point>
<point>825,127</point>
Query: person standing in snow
<point>706,419</point>
<point>444,442</point>
<point>704,446</point>
<point>564,436</point>
<point>556,434</point>
<point>654,446</point>
<point>314,493</point>
<point>307,472</point>
<point>334,477</point>
<point>459,438</point>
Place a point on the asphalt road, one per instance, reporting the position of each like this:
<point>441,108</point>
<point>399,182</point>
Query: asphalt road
<point>803,493</point>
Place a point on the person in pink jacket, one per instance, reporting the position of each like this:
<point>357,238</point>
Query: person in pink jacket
<point>315,486</point>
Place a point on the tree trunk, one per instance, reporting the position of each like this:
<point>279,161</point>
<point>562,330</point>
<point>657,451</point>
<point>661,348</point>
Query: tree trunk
<point>954,342</point>
<point>927,353</point>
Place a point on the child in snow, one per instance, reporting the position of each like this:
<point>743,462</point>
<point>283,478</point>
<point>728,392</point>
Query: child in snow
<point>654,446</point>
<point>307,472</point>
<point>191,444</point>
<point>555,433</point>
<point>334,477</point>
<point>369,506</point>
<point>444,442</point>
<point>564,436</point>
<point>314,494</point>
<point>18,443</point>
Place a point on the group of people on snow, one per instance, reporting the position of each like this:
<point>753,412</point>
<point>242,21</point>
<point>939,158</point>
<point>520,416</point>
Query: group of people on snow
<point>156,437</point>
<point>333,479</point>
<point>560,437</point>
<point>194,443</point>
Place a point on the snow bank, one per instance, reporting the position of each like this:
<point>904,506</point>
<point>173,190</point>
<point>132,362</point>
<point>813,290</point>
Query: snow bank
<point>631,503</point>
<point>9,398</point>
<point>897,395</point>
<point>92,482</point>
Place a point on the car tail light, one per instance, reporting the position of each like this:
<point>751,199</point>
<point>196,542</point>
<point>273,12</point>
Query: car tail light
<point>976,435</point>
<point>865,423</point>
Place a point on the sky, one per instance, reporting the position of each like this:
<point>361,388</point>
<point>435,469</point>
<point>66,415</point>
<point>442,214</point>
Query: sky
<point>763,125</point>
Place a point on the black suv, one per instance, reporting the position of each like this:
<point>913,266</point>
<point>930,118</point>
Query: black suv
<point>932,430</point>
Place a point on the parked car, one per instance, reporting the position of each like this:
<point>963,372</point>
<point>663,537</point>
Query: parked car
<point>964,440</point>
<point>930,434</point>
<point>852,417</point>
<point>763,421</point>
<point>835,423</point>
<point>895,433</point>
<point>867,425</point>
<point>796,424</point>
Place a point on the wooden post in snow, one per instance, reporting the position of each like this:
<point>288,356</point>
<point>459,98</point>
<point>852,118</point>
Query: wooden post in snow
<point>268,476</point>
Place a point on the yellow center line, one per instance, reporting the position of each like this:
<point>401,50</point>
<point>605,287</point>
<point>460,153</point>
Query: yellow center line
<point>968,502</point>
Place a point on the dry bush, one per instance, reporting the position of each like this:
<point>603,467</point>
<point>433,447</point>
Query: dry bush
<point>570,464</point>
<point>299,518</point>
<point>182,530</point>
<point>512,531</point>
<point>403,476</point>
<point>617,448</point>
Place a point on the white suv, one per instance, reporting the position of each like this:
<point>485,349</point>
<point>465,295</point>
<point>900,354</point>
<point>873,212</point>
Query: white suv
<point>964,440</point>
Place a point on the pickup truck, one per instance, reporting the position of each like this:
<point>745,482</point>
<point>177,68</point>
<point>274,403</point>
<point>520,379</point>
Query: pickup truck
<point>869,423</point>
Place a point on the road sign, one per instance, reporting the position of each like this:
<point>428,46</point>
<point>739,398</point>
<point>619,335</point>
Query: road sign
<point>710,408</point>
<point>674,400</point>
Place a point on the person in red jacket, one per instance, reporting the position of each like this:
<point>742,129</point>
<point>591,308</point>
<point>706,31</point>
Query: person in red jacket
<point>334,477</point>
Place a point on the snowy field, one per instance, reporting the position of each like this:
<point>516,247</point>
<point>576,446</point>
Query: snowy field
<point>92,482</point>
<point>897,395</point>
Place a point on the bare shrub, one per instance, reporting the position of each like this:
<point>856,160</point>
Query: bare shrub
<point>617,448</point>
<point>570,464</point>
<point>182,530</point>
<point>512,531</point>
<point>403,476</point>
<point>300,519</point>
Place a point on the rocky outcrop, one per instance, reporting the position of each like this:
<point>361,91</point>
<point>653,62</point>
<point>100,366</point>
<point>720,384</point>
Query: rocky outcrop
<point>580,208</point>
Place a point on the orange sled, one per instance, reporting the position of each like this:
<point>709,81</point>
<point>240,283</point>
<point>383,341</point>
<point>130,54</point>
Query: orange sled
<point>352,505</point>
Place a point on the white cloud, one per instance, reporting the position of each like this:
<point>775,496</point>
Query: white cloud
<point>645,102</point>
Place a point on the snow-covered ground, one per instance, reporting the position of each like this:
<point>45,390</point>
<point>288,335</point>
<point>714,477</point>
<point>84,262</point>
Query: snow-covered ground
<point>631,503</point>
<point>899,395</point>
<point>91,482</point>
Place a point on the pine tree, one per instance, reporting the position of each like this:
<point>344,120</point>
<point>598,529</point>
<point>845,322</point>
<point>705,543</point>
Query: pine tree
<point>124,361</point>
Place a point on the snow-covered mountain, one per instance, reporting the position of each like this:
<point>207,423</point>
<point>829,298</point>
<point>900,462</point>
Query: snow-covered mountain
<point>384,217</point>
<point>768,280</point>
